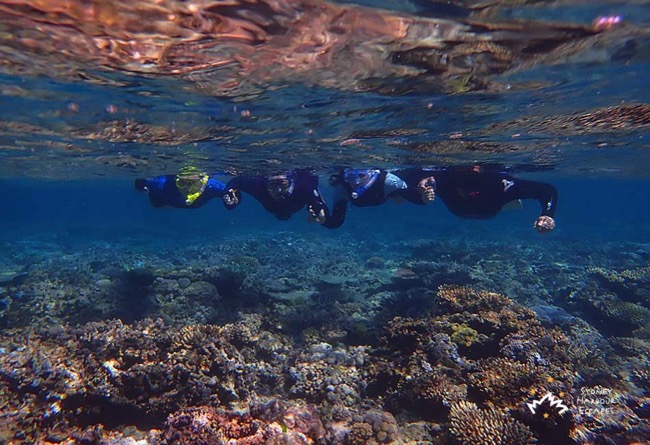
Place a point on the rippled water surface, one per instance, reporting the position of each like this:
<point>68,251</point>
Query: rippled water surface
<point>121,323</point>
<point>125,88</point>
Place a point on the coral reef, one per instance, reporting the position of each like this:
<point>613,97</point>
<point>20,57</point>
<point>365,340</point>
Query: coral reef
<point>329,374</point>
<point>137,373</point>
<point>629,284</point>
<point>373,428</point>
<point>463,334</point>
<point>242,349</point>
<point>624,312</point>
<point>278,425</point>
<point>473,426</point>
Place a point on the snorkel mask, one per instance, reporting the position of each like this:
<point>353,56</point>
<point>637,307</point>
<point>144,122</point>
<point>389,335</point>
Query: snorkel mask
<point>280,187</point>
<point>191,185</point>
<point>360,180</point>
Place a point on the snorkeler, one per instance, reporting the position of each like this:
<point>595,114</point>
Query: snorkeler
<point>284,195</point>
<point>372,187</point>
<point>468,192</point>
<point>189,189</point>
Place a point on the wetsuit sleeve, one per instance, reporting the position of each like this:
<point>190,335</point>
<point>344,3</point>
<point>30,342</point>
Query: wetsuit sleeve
<point>307,186</point>
<point>341,198</point>
<point>141,184</point>
<point>342,190</point>
<point>160,193</point>
<point>253,185</point>
<point>159,182</point>
<point>546,194</point>
<point>337,217</point>
<point>236,183</point>
<point>412,178</point>
<point>215,188</point>
<point>334,219</point>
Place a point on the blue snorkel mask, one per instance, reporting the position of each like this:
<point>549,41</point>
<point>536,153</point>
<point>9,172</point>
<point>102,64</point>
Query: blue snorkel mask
<point>359,180</point>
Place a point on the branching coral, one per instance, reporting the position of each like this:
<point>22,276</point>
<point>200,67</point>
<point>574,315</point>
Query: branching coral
<point>320,381</point>
<point>501,380</point>
<point>638,274</point>
<point>489,313</point>
<point>193,336</point>
<point>625,312</point>
<point>438,390</point>
<point>471,425</point>
<point>465,298</point>
<point>631,285</point>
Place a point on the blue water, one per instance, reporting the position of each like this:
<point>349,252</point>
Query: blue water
<point>600,210</point>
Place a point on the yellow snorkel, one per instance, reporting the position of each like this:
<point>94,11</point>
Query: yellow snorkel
<point>191,185</point>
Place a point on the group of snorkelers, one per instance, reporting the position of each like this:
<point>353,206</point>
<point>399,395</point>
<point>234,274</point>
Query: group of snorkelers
<point>468,192</point>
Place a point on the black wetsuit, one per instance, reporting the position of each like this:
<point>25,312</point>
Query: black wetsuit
<point>468,192</point>
<point>305,193</point>
<point>471,192</point>
<point>373,195</point>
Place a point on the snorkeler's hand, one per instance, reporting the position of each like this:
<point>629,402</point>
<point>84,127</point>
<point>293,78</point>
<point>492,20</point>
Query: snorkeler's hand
<point>427,189</point>
<point>231,198</point>
<point>316,214</point>
<point>544,224</point>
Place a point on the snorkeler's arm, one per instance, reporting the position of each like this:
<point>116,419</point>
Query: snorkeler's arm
<point>546,194</point>
<point>421,185</point>
<point>319,211</point>
<point>232,193</point>
<point>216,185</point>
<point>336,218</point>
<point>156,189</point>
<point>231,198</point>
<point>215,188</point>
<point>155,183</point>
